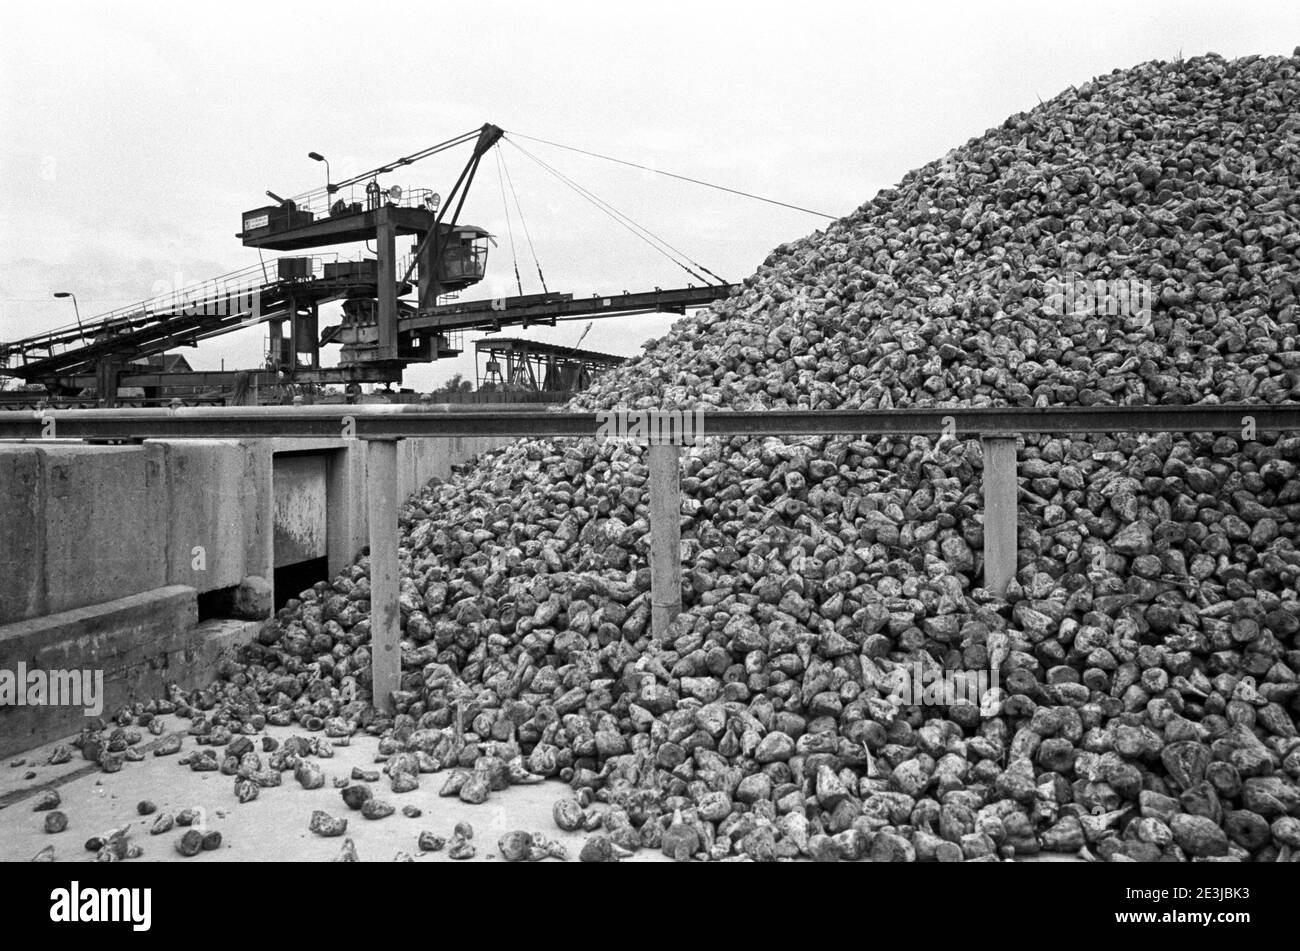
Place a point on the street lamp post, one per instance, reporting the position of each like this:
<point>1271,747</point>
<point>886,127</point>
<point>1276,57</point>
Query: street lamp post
<point>316,156</point>
<point>75,309</point>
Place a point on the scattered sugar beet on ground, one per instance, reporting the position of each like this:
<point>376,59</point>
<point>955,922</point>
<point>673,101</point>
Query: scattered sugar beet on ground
<point>1147,650</point>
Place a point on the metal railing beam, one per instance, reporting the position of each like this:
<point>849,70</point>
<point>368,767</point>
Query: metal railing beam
<point>416,420</point>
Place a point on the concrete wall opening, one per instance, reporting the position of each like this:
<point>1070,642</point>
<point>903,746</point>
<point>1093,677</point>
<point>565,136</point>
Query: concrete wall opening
<point>300,487</point>
<point>217,603</point>
<point>291,579</point>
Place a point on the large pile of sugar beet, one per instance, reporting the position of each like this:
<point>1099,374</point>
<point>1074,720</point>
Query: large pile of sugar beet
<point>1147,650</point>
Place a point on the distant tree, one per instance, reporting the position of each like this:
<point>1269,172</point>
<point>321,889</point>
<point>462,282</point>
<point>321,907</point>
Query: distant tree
<point>457,384</point>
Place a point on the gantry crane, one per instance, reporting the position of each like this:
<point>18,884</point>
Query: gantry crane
<point>379,333</point>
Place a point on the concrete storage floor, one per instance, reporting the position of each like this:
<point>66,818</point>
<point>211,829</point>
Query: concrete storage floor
<point>271,828</point>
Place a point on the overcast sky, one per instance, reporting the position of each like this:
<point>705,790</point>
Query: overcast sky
<point>132,135</point>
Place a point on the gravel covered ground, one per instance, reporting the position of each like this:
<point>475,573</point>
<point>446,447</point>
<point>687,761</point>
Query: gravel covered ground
<point>1147,650</point>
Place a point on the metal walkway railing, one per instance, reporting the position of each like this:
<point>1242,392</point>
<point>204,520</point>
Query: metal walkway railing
<point>238,295</point>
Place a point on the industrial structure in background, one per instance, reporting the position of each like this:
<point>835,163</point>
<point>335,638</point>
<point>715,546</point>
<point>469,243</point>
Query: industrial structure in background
<point>380,333</point>
<point>526,368</point>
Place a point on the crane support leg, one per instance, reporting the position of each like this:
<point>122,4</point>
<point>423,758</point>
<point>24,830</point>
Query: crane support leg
<point>106,382</point>
<point>385,242</point>
<point>275,335</point>
<point>307,334</point>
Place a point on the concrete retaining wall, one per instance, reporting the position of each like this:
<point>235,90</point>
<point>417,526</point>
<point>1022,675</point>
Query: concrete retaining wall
<point>125,650</point>
<point>218,512</point>
<point>131,646</point>
<point>81,525</point>
<point>104,551</point>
